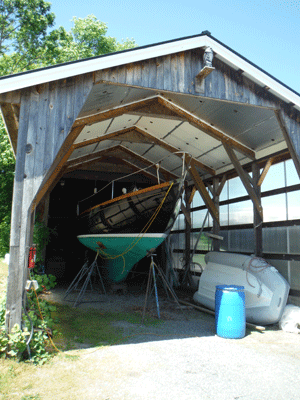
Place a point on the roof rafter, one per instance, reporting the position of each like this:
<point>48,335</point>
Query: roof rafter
<point>170,106</point>
<point>73,164</point>
<point>207,128</point>
<point>150,138</point>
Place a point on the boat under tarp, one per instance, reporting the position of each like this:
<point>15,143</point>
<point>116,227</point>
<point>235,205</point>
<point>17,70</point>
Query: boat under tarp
<point>266,291</point>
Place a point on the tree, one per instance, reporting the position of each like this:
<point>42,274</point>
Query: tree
<point>7,167</point>
<point>23,33</point>
<point>26,42</point>
<point>87,38</point>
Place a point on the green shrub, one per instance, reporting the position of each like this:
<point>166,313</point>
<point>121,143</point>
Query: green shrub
<point>37,317</point>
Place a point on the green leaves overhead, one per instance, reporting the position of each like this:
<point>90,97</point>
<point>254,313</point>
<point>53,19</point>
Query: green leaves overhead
<point>23,29</point>
<point>26,41</point>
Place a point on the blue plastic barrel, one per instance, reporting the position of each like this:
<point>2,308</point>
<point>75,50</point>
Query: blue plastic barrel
<point>230,316</point>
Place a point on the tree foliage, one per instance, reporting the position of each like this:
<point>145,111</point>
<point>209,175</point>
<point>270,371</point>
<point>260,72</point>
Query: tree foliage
<point>28,42</point>
<point>7,167</point>
<point>23,33</point>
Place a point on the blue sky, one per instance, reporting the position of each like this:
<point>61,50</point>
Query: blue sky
<point>266,32</point>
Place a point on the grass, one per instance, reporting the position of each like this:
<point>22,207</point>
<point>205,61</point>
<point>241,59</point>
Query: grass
<point>76,329</point>
<point>93,327</point>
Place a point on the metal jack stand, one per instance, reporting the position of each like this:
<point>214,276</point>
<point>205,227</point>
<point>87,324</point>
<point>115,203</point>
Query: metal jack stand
<point>151,276</point>
<point>85,272</point>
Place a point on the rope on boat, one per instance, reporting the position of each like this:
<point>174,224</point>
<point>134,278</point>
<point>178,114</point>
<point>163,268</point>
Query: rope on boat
<point>142,169</point>
<point>141,234</point>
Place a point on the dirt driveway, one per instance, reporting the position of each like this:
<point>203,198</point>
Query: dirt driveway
<point>180,358</point>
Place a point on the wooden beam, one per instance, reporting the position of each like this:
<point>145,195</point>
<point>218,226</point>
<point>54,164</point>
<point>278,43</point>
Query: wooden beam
<point>192,119</point>
<point>149,138</point>
<point>244,178</point>
<point>265,171</point>
<point>221,185</point>
<point>193,192</point>
<point>10,113</point>
<point>186,214</point>
<point>146,162</point>
<point>203,192</point>
<point>54,173</point>
<point>295,153</point>
<point>257,218</point>
<point>115,112</point>
<point>208,129</point>
<point>74,164</point>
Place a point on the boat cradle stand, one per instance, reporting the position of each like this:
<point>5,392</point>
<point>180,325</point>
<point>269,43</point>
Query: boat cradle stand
<point>85,275</point>
<point>167,286</point>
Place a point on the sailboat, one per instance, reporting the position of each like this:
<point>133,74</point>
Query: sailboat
<point>123,230</point>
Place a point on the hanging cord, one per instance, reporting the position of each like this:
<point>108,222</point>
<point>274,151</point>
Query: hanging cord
<point>184,172</point>
<point>141,234</point>
<point>42,318</point>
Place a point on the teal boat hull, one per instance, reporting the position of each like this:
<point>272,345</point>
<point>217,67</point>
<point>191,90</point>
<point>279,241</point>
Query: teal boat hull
<point>120,252</point>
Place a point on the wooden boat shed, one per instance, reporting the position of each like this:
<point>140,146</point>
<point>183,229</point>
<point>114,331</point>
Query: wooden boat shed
<point>91,120</point>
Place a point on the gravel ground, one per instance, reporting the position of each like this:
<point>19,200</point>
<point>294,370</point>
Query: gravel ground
<point>184,359</point>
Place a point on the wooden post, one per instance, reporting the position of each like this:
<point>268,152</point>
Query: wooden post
<point>46,118</point>
<point>257,217</point>
<point>187,231</point>
<point>216,223</point>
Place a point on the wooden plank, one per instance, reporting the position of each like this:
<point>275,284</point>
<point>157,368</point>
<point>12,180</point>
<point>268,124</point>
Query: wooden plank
<point>221,185</point>
<point>188,78</point>
<point>146,162</point>
<point>11,121</point>
<point>265,171</point>
<point>160,73</point>
<point>208,129</point>
<point>42,136</point>
<point>180,74</point>
<point>193,192</point>
<point>152,73</point>
<point>167,72</point>
<point>205,71</point>
<point>117,135</point>
<point>16,276</point>
<point>257,218</point>
<point>203,192</point>
<point>115,112</point>
<point>13,97</point>
<point>174,73</point>
<point>186,214</point>
<point>291,141</point>
<point>244,178</point>
<point>216,223</point>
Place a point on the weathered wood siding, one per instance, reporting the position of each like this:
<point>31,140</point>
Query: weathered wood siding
<point>177,73</point>
<point>46,116</point>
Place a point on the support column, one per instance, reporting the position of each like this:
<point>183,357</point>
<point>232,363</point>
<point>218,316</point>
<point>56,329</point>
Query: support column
<point>257,217</point>
<point>187,231</point>
<point>216,223</point>
<point>46,118</point>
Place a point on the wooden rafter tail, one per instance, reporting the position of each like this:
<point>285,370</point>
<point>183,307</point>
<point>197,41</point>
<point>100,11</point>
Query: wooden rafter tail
<point>203,192</point>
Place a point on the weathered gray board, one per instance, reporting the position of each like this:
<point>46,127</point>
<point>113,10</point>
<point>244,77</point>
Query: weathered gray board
<point>46,116</point>
<point>178,72</point>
